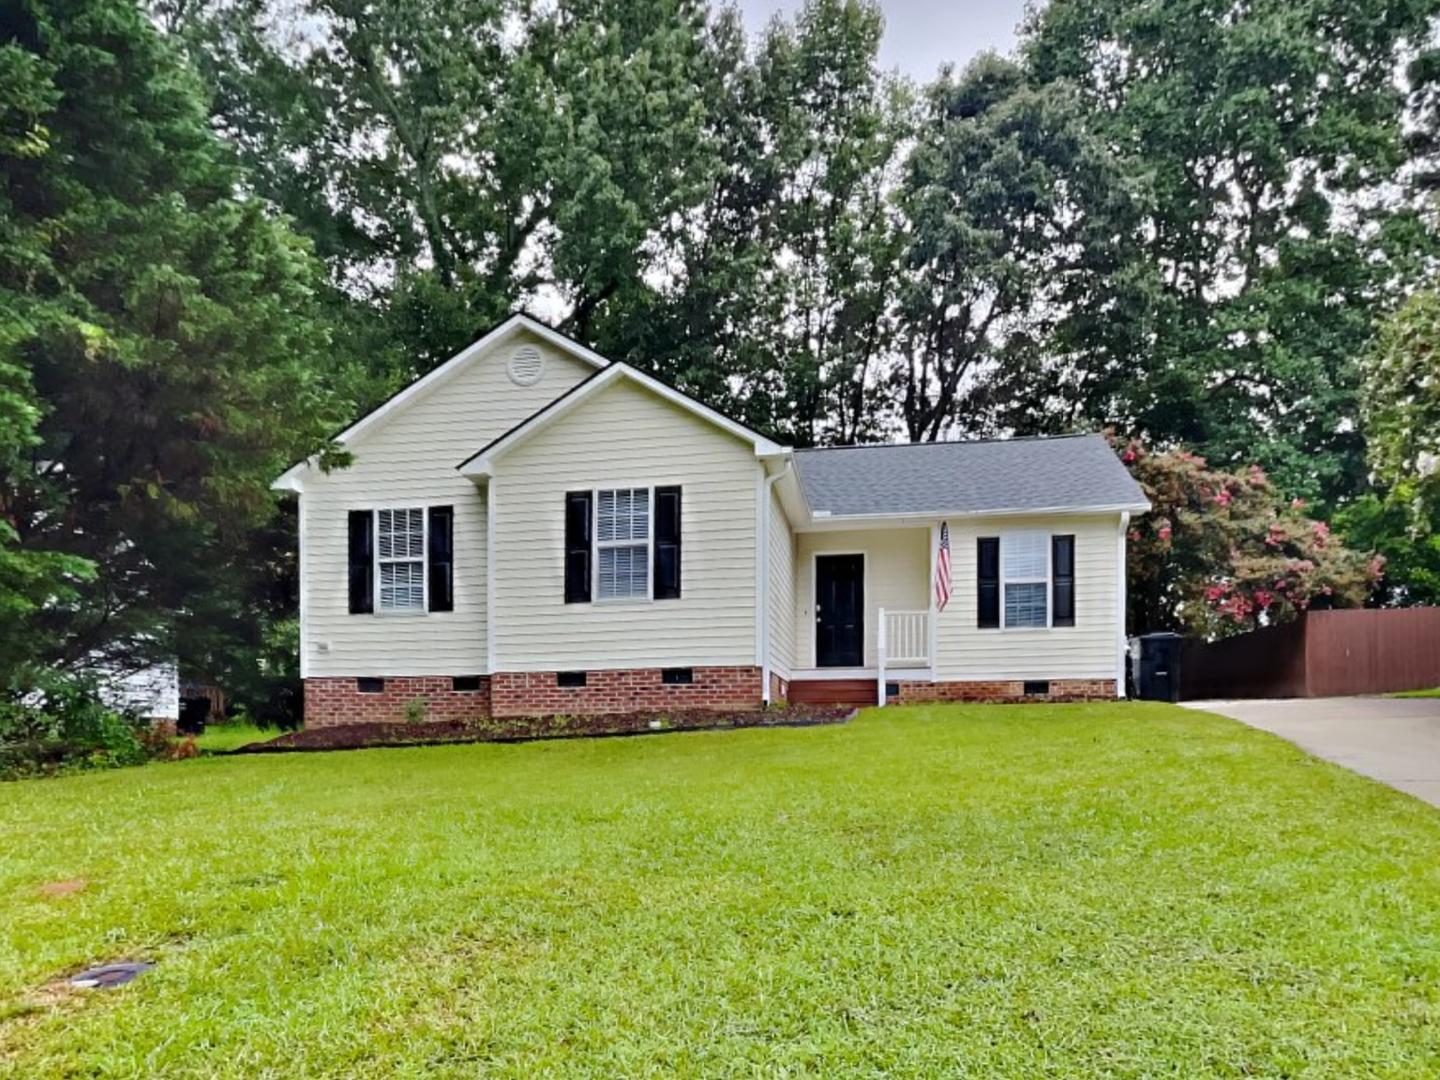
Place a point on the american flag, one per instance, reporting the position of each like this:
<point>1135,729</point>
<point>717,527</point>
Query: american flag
<point>942,569</point>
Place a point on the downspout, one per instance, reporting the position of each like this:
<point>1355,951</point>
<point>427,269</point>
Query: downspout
<point>762,584</point>
<point>1124,644</point>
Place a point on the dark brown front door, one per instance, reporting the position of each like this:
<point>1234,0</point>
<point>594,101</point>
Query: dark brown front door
<point>839,610</point>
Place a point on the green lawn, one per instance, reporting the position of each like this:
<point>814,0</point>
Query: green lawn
<point>1434,691</point>
<point>227,736</point>
<point>1061,891</point>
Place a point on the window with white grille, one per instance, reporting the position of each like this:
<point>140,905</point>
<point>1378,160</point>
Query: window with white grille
<point>622,544</point>
<point>1025,567</point>
<point>400,559</point>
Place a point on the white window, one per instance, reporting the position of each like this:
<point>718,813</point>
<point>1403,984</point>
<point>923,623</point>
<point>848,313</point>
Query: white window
<point>1025,568</point>
<point>622,544</point>
<point>400,559</point>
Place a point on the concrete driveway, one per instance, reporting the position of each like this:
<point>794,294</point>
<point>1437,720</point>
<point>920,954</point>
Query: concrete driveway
<point>1394,740</point>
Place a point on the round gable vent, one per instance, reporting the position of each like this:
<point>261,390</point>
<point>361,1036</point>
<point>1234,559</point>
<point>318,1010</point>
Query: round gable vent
<point>527,364</point>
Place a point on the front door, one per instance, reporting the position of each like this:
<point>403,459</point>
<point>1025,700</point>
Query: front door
<point>839,610</point>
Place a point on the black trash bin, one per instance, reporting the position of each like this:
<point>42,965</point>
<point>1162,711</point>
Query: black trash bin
<point>1158,678</point>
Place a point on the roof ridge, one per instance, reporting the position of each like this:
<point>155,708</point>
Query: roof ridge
<point>952,442</point>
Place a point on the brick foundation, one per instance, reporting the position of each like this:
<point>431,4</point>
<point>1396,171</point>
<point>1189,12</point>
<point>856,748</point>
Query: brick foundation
<point>535,693</point>
<point>1005,690</point>
<point>336,700</point>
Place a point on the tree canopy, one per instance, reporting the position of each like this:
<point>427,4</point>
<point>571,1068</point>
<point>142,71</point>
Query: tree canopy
<point>228,226</point>
<point>158,342</point>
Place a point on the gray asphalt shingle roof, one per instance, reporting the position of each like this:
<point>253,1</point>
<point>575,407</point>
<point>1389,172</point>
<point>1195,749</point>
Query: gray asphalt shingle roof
<point>1073,472</point>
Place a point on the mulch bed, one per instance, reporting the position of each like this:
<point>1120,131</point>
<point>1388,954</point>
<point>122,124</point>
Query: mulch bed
<point>529,729</point>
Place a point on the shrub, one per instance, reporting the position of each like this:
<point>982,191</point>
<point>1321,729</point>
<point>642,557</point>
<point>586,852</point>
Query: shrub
<point>61,724</point>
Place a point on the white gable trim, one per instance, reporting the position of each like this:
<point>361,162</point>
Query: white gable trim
<point>290,479</point>
<point>482,464</point>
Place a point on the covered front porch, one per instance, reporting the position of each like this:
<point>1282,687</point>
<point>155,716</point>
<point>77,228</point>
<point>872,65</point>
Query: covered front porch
<point>863,612</point>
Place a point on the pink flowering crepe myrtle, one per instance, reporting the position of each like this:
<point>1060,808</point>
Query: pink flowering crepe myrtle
<point>1222,551</point>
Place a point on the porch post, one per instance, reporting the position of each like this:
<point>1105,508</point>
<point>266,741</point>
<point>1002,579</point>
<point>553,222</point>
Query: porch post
<point>880,647</point>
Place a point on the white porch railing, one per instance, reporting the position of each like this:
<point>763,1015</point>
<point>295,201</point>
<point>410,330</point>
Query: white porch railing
<point>904,640</point>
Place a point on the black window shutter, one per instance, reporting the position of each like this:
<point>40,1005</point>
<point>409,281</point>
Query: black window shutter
<point>362,562</point>
<point>441,571</point>
<point>987,579</point>
<point>667,543</point>
<point>1062,580</point>
<point>577,547</point>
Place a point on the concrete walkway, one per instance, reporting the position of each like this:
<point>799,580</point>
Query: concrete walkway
<point>1394,740</point>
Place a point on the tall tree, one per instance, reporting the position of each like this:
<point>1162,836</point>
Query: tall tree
<point>1400,518</point>
<point>1017,245</point>
<point>454,160</point>
<point>1402,405</point>
<point>156,331</point>
<point>776,286</point>
<point>1270,135</point>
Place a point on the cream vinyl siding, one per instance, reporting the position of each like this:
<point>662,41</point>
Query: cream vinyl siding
<point>781,595</point>
<point>1087,650</point>
<point>625,437</point>
<point>409,460</point>
<point>897,570</point>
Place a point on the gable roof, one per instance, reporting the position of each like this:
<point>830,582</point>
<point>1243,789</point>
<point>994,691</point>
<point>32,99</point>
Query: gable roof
<point>289,480</point>
<point>481,463</point>
<point>1073,473</point>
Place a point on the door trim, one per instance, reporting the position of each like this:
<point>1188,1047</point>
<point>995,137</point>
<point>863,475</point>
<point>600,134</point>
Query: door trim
<point>864,554</point>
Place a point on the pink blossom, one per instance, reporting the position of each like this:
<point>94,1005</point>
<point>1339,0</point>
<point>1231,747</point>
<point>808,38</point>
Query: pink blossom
<point>1297,504</point>
<point>1263,598</point>
<point>1164,532</point>
<point>1224,497</point>
<point>1128,457</point>
<point>1257,476</point>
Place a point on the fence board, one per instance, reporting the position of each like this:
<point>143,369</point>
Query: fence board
<point>1321,654</point>
<point>1372,651</point>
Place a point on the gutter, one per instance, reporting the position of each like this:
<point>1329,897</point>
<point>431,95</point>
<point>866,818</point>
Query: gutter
<point>920,517</point>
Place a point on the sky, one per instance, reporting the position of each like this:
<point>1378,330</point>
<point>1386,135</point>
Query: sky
<point>920,35</point>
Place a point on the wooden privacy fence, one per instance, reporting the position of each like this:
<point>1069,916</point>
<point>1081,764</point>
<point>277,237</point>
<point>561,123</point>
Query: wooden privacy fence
<point>1321,654</point>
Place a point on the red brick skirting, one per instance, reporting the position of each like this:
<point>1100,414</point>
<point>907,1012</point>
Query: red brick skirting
<point>1006,690</point>
<point>337,700</point>
<point>536,693</point>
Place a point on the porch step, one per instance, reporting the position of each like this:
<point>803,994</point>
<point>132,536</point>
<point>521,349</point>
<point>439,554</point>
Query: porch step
<point>857,692</point>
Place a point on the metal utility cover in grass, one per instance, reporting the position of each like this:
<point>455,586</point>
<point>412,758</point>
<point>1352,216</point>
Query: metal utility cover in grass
<point>108,975</point>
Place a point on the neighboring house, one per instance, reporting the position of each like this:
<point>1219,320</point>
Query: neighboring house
<point>152,693</point>
<point>532,529</point>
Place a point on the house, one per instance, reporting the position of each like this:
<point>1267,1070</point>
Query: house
<point>532,529</point>
<point>151,692</point>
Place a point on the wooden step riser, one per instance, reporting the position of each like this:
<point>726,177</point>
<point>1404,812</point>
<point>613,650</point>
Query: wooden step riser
<point>833,692</point>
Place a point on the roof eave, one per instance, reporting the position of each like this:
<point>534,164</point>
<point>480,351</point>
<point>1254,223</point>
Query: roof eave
<point>822,518</point>
<point>289,480</point>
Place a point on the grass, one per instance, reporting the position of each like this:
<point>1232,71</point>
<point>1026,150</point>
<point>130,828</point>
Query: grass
<point>1433,692</point>
<point>221,737</point>
<point>1048,891</point>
